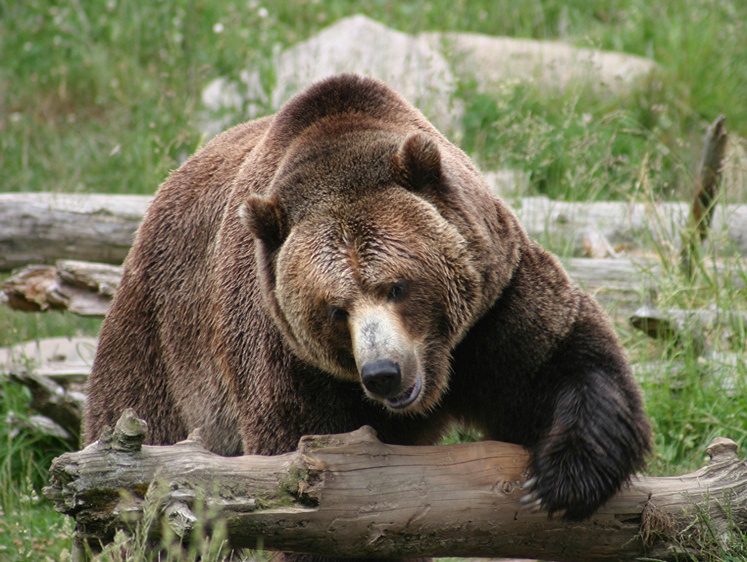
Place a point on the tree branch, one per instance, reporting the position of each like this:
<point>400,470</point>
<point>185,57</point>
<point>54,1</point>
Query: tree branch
<point>706,190</point>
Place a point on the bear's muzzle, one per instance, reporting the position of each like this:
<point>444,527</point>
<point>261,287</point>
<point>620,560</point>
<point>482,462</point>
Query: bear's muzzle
<point>386,358</point>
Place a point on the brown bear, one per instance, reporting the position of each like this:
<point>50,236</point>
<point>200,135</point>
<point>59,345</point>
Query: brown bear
<point>341,263</point>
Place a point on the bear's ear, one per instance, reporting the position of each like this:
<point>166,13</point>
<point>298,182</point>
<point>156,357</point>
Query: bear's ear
<point>265,220</point>
<point>417,163</point>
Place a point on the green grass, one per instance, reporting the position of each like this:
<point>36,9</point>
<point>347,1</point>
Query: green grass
<point>29,528</point>
<point>577,145</point>
<point>104,97</point>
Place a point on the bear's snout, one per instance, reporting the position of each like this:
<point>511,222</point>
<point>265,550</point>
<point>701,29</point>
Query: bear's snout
<point>386,356</point>
<point>382,378</point>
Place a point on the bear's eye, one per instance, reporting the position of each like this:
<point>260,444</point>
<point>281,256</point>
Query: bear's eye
<point>336,314</point>
<point>398,291</point>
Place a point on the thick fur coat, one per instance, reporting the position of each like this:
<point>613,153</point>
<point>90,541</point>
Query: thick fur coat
<point>341,263</point>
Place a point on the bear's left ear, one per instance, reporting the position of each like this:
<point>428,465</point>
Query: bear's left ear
<point>417,163</point>
<point>265,220</point>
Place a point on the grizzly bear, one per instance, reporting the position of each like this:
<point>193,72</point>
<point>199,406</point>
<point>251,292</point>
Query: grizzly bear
<point>341,263</point>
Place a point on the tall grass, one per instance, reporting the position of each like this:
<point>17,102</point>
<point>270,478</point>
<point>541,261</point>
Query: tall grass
<point>104,96</point>
<point>29,528</point>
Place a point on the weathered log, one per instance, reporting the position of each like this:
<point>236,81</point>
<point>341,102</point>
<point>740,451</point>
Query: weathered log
<point>61,406</point>
<point>45,227</point>
<point>55,371</point>
<point>350,495</point>
<point>66,361</point>
<point>84,288</point>
<point>669,324</point>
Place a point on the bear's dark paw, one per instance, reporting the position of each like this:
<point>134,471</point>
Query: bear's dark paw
<point>573,480</point>
<point>574,493</point>
<point>597,439</point>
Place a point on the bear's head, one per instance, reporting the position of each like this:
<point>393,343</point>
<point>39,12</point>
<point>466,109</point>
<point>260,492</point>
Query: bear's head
<point>367,259</point>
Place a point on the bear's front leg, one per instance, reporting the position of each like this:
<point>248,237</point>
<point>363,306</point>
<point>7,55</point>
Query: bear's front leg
<point>598,434</point>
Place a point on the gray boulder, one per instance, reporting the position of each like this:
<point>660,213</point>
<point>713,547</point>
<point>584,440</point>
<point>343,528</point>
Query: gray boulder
<point>493,61</point>
<point>357,45</point>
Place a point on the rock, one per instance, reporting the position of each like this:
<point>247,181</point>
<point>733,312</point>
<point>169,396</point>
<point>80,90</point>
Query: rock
<point>507,182</point>
<point>418,68</point>
<point>223,102</point>
<point>492,61</point>
<point>358,45</point>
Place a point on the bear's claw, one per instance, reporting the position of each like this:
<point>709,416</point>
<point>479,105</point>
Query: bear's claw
<point>529,484</point>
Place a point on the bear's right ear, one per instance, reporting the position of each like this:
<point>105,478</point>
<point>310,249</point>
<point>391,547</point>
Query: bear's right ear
<point>417,163</point>
<point>265,220</point>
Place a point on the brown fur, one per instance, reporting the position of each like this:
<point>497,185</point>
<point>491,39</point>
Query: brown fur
<point>295,251</point>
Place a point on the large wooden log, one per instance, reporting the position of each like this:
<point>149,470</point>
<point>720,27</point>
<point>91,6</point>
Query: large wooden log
<point>84,288</point>
<point>350,495</point>
<point>45,227</point>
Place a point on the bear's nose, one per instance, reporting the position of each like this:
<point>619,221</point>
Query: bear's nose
<point>382,378</point>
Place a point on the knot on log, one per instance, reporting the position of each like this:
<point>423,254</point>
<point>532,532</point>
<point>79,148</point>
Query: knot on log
<point>129,433</point>
<point>722,449</point>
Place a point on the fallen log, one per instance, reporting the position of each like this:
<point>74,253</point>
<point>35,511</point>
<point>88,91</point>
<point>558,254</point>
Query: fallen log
<point>670,324</point>
<point>61,406</point>
<point>45,227</point>
<point>350,495</point>
<point>66,361</point>
<point>55,371</point>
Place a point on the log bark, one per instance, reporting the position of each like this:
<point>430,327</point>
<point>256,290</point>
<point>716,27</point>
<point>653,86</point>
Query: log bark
<point>45,227</point>
<point>670,324</point>
<point>87,288</point>
<point>55,371</point>
<point>705,194</point>
<point>350,495</point>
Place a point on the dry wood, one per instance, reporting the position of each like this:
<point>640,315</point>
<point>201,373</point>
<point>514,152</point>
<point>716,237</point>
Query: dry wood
<point>706,190</point>
<point>66,361</point>
<point>350,495</point>
<point>87,288</point>
<point>81,287</point>
<point>55,371</point>
<point>45,227</point>
<point>60,405</point>
<point>669,324</point>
